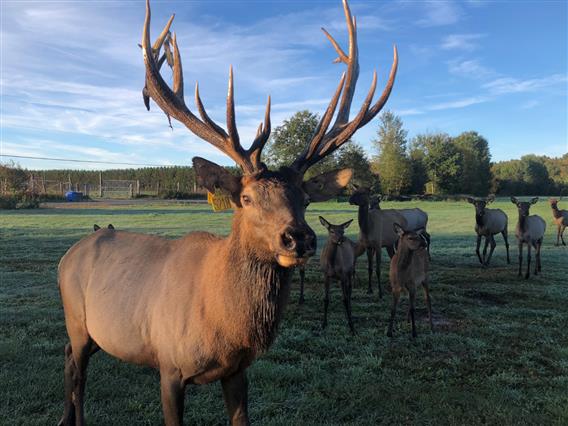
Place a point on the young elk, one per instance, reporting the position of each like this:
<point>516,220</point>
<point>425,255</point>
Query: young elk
<point>529,231</point>
<point>560,218</point>
<point>489,222</point>
<point>337,261</point>
<point>408,269</point>
<point>376,231</point>
<point>203,307</point>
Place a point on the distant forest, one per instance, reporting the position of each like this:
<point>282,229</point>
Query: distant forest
<point>432,163</point>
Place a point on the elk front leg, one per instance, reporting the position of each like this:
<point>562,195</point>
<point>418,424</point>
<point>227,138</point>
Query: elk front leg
<point>529,249</point>
<point>558,228</point>
<point>302,277</point>
<point>562,235</point>
<point>487,239</point>
<point>370,268</point>
<point>504,233</point>
<point>411,309</point>
<point>428,303</point>
<point>493,244</point>
<point>172,393</point>
<point>520,273</point>
<point>326,301</point>
<point>395,297</point>
<point>235,392</point>
<point>477,249</point>
<point>346,290</point>
<point>538,266</point>
<point>378,254</point>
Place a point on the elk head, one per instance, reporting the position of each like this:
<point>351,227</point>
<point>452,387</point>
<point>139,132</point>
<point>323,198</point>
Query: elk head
<point>413,240</point>
<point>553,203</point>
<point>524,206</point>
<point>360,197</point>
<point>269,205</point>
<point>480,204</point>
<point>336,232</point>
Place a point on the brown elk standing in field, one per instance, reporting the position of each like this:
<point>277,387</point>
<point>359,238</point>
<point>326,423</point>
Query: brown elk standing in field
<point>376,231</point>
<point>489,222</point>
<point>560,219</point>
<point>408,269</point>
<point>530,231</point>
<point>202,308</point>
<point>337,261</point>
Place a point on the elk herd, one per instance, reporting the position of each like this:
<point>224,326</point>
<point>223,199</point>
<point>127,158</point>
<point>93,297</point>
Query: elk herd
<point>202,308</point>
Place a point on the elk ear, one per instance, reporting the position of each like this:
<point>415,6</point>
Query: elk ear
<point>398,229</point>
<point>346,224</point>
<point>490,198</point>
<point>96,227</point>
<point>327,185</point>
<point>534,200</point>
<point>110,226</point>
<point>324,222</point>
<point>470,200</point>
<point>212,176</point>
<point>514,200</point>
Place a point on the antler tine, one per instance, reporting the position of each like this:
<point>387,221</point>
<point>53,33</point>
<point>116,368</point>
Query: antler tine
<point>171,100</point>
<point>262,135</point>
<point>325,142</point>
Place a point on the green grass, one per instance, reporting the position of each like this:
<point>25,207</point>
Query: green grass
<point>499,354</point>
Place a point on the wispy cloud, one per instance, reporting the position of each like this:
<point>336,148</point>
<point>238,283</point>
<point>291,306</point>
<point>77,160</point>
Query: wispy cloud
<point>439,13</point>
<point>466,42</point>
<point>471,68</point>
<point>508,85</point>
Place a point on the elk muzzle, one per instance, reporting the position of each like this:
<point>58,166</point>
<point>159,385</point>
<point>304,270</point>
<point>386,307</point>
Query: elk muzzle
<point>297,244</point>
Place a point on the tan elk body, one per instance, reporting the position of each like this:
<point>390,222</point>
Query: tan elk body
<point>376,232</point>
<point>489,222</point>
<point>203,307</point>
<point>337,262</point>
<point>409,269</point>
<point>560,218</point>
<point>530,231</point>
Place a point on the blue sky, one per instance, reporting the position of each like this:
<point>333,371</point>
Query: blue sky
<point>71,72</point>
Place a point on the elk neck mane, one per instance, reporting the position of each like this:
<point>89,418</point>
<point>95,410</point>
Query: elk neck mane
<point>479,219</point>
<point>263,288</point>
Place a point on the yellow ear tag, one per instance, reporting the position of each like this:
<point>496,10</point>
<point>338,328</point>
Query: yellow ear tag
<point>219,200</point>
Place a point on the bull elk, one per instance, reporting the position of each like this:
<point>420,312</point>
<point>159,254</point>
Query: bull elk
<point>489,222</point>
<point>376,231</point>
<point>560,219</point>
<point>409,269</point>
<point>203,307</point>
<point>530,231</point>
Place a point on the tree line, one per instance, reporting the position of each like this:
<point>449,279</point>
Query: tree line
<point>430,163</point>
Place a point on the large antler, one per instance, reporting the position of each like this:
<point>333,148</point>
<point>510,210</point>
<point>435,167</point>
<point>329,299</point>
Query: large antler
<point>325,142</point>
<point>173,104</point>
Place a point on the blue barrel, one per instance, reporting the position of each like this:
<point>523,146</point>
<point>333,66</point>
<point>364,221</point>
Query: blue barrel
<point>73,196</point>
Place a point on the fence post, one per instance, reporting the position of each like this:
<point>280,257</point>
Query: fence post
<point>101,184</point>
<point>158,189</point>
<point>138,187</point>
<point>131,193</point>
<point>61,187</point>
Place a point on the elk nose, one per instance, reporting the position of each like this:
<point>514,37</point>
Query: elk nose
<point>302,241</point>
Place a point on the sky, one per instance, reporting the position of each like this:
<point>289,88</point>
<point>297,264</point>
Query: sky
<point>72,73</point>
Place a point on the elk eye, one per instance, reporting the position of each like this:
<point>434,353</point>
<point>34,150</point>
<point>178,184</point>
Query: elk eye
<point>246,200</point>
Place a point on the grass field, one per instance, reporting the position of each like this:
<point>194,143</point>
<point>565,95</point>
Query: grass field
<point>499,354</point>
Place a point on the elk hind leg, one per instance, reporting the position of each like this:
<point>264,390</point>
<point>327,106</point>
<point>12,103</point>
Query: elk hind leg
<point>562,234</point>
<point>428,303</point>
<point>370,268</point>
<point>505,237</point>
<point>412,309</point>
<point>378,253</point>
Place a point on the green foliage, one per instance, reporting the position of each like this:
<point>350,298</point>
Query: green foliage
<point>12,177</point>
<point>443,161</point>
<point>475,176</point>
<point>498,355</point>
<point>290,139</point>
<point>392,163</point>
<point>530,176</point>
<point>353,156</point>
